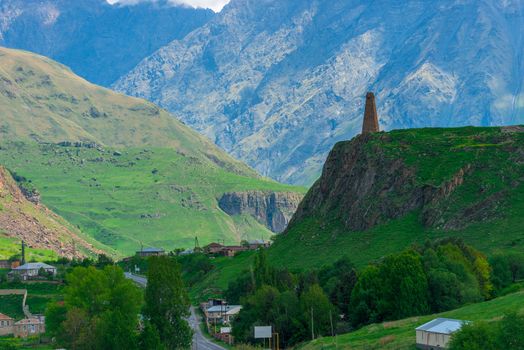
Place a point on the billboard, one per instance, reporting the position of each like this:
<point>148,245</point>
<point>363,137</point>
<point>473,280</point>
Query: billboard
<point>263,332</point>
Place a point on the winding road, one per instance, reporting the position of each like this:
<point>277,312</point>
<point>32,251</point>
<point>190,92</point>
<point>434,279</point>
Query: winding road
<point>200,342</point>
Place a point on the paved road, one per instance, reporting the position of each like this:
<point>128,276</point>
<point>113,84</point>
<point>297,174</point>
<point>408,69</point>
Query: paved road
<point>200,342</point>
<point>142,281</point>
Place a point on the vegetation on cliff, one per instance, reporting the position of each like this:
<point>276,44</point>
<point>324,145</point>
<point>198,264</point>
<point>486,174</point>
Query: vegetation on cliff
<point>379,193</point>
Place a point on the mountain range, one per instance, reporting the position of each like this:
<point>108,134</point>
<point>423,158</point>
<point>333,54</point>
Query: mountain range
<point>98,41</point>
<point>278,83</point>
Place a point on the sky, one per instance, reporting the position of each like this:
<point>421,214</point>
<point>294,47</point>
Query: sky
<point>215,5</point>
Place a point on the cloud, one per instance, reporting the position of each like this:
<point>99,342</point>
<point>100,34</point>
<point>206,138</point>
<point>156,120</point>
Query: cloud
<point>215,5</point>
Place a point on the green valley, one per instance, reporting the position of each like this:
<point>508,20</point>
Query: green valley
<point>120,169</point>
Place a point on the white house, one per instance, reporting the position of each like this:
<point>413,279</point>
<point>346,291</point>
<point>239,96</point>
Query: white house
<point>222,314</point>
<point>437,333</point>
<point>29,270</point>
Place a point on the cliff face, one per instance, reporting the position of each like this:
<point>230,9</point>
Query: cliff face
<point>450,177</point>
<point>39,227</point>
<point>278,83</point>
<point>272,209</point>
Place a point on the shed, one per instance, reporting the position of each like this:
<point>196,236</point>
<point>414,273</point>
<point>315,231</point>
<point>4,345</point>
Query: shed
<point>437,333</point>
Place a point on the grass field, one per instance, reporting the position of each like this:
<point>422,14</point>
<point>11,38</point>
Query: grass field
<point>10,246</point>
<point>400,335</point>
<point>148,179</point>
<point>154,196</point>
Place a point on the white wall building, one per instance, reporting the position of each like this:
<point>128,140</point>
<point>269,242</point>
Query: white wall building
<point>437,333</point>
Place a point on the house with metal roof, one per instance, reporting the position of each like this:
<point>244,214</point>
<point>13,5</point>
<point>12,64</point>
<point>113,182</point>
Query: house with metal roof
<point>31,270</point>
<point>145,252</point>
<point>221,314</point>
<point>436,334</point>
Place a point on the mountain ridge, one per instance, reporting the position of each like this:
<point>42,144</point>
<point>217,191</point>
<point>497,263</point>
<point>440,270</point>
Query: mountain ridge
<point>276,71</point>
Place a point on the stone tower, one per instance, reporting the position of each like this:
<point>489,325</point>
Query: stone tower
<point>370,123</point>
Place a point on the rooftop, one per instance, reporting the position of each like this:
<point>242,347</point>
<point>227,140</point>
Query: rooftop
<point>152,250</point>
<point>5,317</point>
<point>224,308</point>
<point>442,326</point>
<point>34,266</point>
<point>29,321</point>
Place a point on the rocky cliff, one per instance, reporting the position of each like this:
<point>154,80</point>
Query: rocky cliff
<point>450,177</point>
<point>39,227</point>
<point>272,209</point>
<point>278,82</point>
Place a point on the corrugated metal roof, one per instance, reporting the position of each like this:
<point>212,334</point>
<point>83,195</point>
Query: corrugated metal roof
<point>442,326</point>
<point>228,309</point>
<point>34,266</point>
<point>152,250</point>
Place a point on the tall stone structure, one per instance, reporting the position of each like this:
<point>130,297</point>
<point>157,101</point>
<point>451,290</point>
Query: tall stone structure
<point>370,123</point>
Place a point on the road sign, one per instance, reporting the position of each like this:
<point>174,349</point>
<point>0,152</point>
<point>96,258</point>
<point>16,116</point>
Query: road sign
<point>263,332</point>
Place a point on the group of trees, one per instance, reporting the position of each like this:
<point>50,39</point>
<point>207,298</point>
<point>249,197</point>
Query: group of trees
<point>101,309</point>
<point>507,333</point>
<point>431,278</point>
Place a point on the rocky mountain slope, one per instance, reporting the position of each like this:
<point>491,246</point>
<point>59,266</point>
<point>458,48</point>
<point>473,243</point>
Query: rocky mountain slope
<point>278,83</point>
<point>381,192</point>
<point>121,169</point>
<point>271,209</point>
<point>35,224</point>
<point>98,41</point>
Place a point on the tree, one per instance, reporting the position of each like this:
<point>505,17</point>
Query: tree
<point>395,288</point>
<point>102,309</point>
<point>507,269</point>
<point>511,332</point>
<point>167,302</point>
<point>149,338</point>
<point>316,311</point>
<point>478,336</point>
<point>338,282</point>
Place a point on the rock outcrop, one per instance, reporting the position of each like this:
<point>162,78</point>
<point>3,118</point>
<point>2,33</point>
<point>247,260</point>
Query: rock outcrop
<point>35,224</point>
<point>450,177</point>
<point>278,83</point>
<point>272,209</point>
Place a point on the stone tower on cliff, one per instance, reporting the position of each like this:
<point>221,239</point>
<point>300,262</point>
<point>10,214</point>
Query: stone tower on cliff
<point>370,123</point>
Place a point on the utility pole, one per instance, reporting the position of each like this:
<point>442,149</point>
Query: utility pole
<point>312,325</point>
<point>23,253</point>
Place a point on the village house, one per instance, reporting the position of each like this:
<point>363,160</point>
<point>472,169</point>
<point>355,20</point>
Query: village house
<point>255,244</point>
<point>436,334</point>
<point>146,252</point>
<point>221,314</point>
<point>213,248</point>
<point>6,325</point>
<point>31,270</point>
<point>29,327</point>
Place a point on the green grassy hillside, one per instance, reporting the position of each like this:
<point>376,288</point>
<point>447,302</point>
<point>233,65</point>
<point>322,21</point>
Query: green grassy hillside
<point>154,196</point>
<point>484,206</point>
<point>120,169</point>
<point>400,335</point>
